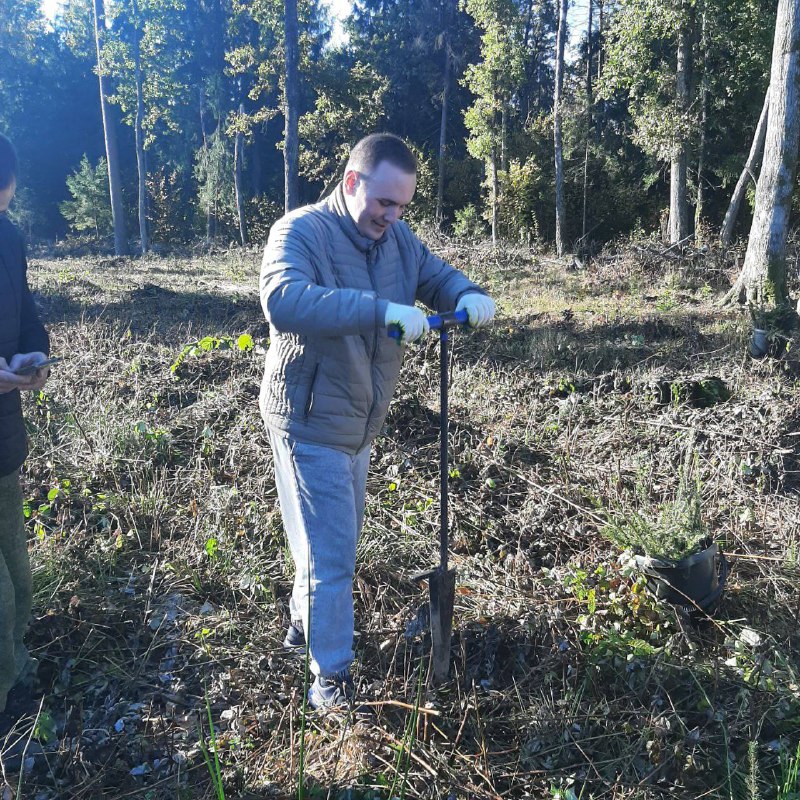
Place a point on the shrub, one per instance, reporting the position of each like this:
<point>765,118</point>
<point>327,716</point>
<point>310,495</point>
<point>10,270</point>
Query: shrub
<point>673,530</point>
<point>468,224</point>
<point>90,208</point>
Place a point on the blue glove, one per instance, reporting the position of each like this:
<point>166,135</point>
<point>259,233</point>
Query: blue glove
<point>479,308</point>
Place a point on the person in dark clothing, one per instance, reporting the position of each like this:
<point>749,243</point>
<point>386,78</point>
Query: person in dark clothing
<point>23,343</point>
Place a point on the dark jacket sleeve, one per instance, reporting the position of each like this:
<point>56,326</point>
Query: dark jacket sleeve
<point>33,337</point>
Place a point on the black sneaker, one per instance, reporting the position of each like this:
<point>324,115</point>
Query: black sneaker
<point>22,705</point>
<point>335,692</point>
<point>295,636</point>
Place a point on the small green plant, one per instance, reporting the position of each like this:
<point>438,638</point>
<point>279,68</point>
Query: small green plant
<point>406,747</point>
<point>667,300</point>
<point>762,317</point>
<point>145,440</point>
<point>673,530</point>
<point>774,319</point>
<point>45,728</point>
<point>789,787</point>
<point>243,343</point>
<point>213,766</point>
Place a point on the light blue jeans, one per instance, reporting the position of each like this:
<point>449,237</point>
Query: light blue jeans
<point>322,495</point>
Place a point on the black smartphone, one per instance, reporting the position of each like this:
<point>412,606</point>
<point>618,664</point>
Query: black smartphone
<point>29,369</point>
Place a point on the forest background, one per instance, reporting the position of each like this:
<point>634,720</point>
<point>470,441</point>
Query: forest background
<point>183,129</point>
<point>193,96</point>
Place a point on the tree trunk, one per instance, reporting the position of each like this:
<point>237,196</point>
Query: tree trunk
<point>256,168</point>
<point>678,211</point>
<point>763,277</point>
<point>443,133</point>
<point>110,137</point>
<point>748,173</point>
<point>698,209</point>
<point>504,136</point>
<point>495,192</point>
<point>211,222</point>
<point>290,140</point>
<point>238,181</point>
<point>600,112</point>
<point>141,163</point>
<point>589,103</point>
<point>560,39</point>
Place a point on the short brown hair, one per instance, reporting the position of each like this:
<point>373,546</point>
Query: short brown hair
<point>377,147</point>
<point>8,162</point>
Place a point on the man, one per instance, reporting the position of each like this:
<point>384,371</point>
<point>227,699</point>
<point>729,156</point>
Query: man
<point>335,275</point>
<point>23,343</point>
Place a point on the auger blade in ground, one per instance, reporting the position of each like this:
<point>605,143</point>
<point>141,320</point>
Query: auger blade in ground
<point>443,590</point>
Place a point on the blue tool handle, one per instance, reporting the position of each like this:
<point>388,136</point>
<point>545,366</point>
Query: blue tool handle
<point>448,320</point>
<point>437,322</point>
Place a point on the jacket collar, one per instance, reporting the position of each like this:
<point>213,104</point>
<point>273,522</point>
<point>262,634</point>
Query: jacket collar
<point>337,206</point>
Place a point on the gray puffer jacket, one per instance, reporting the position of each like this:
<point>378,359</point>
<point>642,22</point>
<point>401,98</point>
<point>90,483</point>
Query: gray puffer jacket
<point>331,369</point>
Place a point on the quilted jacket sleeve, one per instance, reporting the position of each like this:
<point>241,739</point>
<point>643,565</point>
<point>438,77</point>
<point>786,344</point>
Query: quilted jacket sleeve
<point>440,285</point>
<point>292,299</point>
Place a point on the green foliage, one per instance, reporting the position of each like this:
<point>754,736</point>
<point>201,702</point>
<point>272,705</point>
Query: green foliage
<point>156,25</point>
<point>789,786</point>
<point>672,530</point>
<point>45,727</point>
<point>255,56</point>
<point>462,179</point>
<point>213,172</point>
<point>168,207</point>
<point>262,214</point>
<point>409,46</point>
<point>640,63</point>
<point>731,59</point>
<point>469,224</point>
<point>619,621</point>
<point>211,752</point>
<point>507,84</point>
<point>243,344</point>
<point>525,200</point>
<point>212,70</point>
<point>423,208</point>
<point>493,80</point>
<point>45,96</point>
<point>348,106</point>
<point>78,28</point>
<point>90,207</point>
<point>24,212</point>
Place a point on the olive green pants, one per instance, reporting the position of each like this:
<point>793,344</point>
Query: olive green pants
<point>15,586</point>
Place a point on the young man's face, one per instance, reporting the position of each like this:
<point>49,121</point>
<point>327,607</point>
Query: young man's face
<point>7,194</point>
<point>378,200</point>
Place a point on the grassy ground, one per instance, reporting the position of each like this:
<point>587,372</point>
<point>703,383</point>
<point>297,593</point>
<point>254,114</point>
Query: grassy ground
<point>162,577</point>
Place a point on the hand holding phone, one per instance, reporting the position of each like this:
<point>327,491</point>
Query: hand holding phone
<point>31,369</point>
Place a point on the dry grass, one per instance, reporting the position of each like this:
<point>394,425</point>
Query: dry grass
<point>162,576</point>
